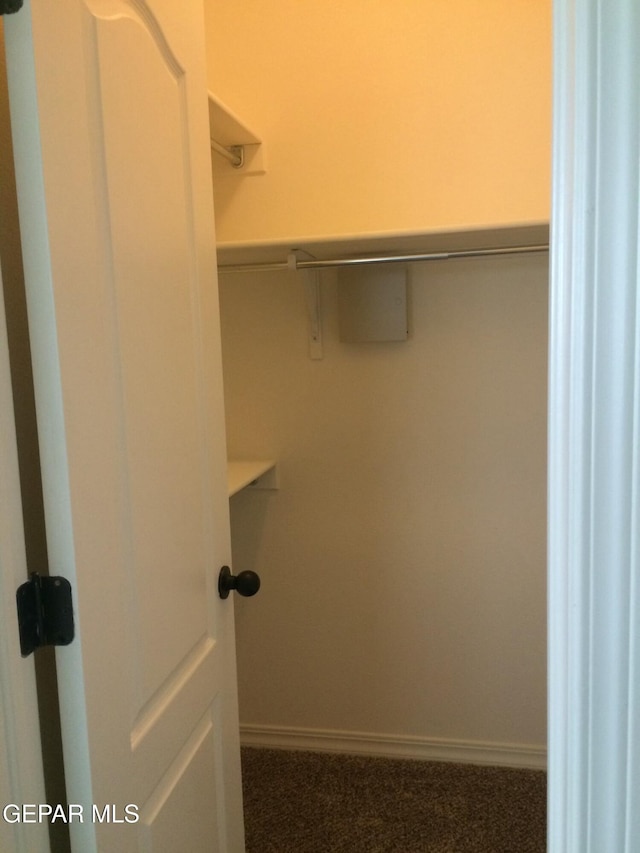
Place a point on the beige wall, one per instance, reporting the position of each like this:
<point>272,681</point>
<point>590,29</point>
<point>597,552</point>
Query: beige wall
<point>403,558</point>
<point>377,116</point>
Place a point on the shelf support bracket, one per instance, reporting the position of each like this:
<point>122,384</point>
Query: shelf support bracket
<point>311,283</point>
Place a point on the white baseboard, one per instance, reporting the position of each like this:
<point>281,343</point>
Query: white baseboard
<point>395,746</point>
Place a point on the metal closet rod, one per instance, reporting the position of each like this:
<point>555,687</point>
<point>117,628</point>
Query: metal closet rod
<point>296,263</point>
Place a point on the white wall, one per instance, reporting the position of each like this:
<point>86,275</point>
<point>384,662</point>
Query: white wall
<point>403,558</point>
<point>381,116</point>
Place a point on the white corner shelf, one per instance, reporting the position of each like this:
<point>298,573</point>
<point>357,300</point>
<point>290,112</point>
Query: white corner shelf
<point>258,474</point>
<point>229,131</point>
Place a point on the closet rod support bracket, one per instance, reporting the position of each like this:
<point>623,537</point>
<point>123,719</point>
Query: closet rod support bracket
<point>233,153</point>
<point>311,284</point>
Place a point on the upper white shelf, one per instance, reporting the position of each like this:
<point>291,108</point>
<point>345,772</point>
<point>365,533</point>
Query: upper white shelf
<point>258,473</point>
<point>271,251</point>
<point>229,131</point>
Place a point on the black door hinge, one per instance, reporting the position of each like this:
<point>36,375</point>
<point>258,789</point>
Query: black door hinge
<point>45,613</point>
<point>9,6</point>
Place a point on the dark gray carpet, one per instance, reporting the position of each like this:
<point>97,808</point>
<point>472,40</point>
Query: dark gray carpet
<point>305,802</point>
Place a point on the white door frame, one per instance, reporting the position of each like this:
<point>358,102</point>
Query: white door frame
<point>594,432</point>
<point>21,773</point>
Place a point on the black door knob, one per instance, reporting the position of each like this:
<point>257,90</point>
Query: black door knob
<point>246,583</point>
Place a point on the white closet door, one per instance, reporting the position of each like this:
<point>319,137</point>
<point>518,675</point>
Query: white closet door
<point>109,109</point>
